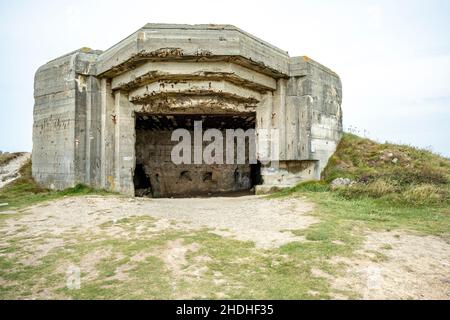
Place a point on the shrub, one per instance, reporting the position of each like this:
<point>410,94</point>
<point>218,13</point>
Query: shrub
<point>425,194</point>
<point>424,174</point>
<point>380,188</point>
<point>376,189</point>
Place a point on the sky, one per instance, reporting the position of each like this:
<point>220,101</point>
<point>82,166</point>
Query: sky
<point>393,57</point>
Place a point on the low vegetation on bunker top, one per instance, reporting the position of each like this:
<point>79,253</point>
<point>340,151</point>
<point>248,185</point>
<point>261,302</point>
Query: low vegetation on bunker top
<point>364,160</point>
<point>402,174</point>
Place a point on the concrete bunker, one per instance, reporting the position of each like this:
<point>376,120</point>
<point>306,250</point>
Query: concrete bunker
<point>102,118</point>
<point>157,175</point>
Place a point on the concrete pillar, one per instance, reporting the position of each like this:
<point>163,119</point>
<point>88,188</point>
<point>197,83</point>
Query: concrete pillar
<point>88,133</point>
<point>80,116</point>
<point>263,126</point>
<point>95,137</point>
<point>279,115</point>
<point>108,123</point>
<point>292,128</point>
<point>125,139</point>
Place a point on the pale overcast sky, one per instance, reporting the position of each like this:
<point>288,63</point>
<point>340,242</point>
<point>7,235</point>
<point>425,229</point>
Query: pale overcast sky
<point>393,56</point>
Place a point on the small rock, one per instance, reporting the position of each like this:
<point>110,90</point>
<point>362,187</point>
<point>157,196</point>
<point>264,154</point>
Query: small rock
<point>394,161</point>
<point>341,182</point>
<point>386,156</point>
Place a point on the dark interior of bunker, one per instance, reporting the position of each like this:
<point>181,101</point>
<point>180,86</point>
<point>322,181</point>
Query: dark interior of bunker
<point>157,176</point>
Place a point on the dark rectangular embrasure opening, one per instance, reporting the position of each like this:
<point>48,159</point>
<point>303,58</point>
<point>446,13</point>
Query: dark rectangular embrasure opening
<point>156,175</point>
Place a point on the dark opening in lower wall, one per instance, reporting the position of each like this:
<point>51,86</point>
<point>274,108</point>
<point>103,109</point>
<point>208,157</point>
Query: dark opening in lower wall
<point>142,183</point>
<point>156,175</point>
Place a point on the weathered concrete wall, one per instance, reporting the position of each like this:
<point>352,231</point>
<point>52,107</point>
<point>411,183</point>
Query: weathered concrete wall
<point>314,97</point>
<point>287,174</point>
<point>306,109</point>
<point>63,90</point>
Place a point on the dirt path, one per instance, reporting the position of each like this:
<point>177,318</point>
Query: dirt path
<point>251,218</point>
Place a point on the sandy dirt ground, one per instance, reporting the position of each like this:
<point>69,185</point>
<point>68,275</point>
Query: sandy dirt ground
<point>411,267</point>
<point>250,218</point>
<point>390,265</point>
<point>10,171</point>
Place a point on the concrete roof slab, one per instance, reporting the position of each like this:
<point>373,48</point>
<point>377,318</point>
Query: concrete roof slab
<point>177,42</point>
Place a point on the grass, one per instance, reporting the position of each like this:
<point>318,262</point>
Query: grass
<point>379,214</point>
<point>24,191</point>
<point>398,174</point>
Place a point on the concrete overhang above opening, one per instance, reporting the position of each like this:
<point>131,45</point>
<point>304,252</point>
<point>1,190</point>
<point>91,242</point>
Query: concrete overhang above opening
<point>166,42</point>
<point>223,89</point>
<point>212,71</point>
<point>193,104</point>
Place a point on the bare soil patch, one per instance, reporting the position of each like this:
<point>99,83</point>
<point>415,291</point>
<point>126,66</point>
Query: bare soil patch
<point>251,218</point>
<point>397,265</point>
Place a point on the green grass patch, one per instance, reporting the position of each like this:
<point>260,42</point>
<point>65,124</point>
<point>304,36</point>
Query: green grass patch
<point>377,214</point>
<point>24,191</point>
